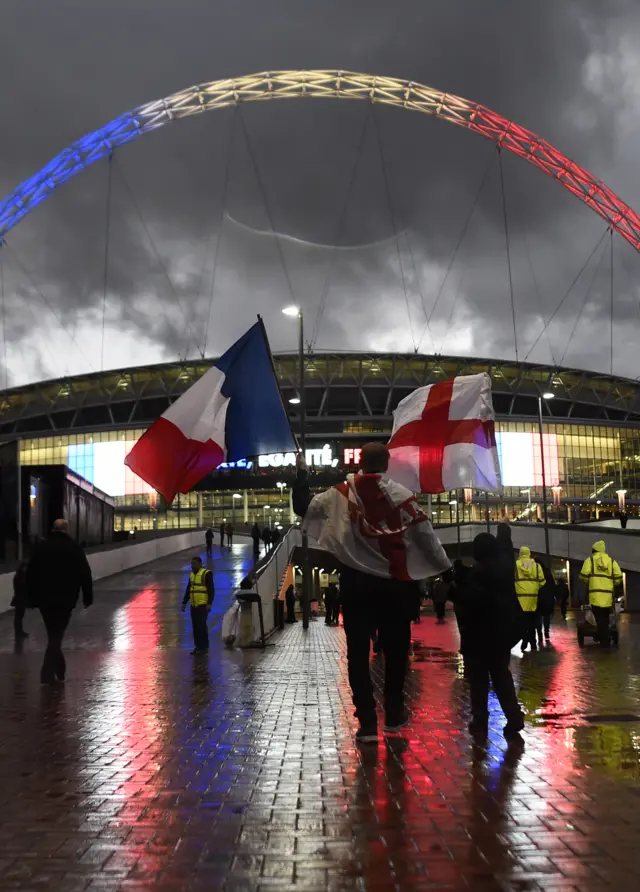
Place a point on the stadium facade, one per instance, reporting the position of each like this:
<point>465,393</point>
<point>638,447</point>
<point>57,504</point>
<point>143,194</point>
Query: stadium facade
<point>591,435</point>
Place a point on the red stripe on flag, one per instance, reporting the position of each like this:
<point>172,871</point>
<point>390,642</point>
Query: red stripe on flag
<point>435,430</point>
<point>171,462</point>
<point>381,513</point>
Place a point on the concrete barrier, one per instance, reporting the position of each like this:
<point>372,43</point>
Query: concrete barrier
<point>118,560</point>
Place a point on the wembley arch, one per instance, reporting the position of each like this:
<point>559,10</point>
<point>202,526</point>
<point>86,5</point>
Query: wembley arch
<point>322,85</point>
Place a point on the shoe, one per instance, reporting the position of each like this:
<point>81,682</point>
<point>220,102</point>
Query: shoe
<point>20,636</point>
<point>512,730</point>
<point>367,734</point>
<point>479,730</point>
<point>197,651</point>
<point>396,723</point>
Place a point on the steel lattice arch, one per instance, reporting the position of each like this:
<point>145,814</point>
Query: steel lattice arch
<point>322,85</point>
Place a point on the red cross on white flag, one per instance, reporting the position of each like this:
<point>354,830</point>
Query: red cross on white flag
<point>444,439</point>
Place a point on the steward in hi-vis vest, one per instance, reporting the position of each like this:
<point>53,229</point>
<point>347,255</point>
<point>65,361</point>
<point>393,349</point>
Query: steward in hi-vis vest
<point>529,577</point>
<point>602,575</point>
<point>199,593</point>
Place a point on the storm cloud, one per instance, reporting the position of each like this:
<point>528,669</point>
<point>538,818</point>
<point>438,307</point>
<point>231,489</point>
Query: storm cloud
<point>391,189</point>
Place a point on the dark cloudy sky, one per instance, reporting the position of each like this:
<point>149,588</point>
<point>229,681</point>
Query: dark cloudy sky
<point>567,70</point>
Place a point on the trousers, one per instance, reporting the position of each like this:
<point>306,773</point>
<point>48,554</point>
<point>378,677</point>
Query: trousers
<point>601,615</point>
<point>530,629</point>
<point>18,618</point>
<point>56,619</point>
<point>482,668</point>
<point>370,603</point>
<point>199,624</point>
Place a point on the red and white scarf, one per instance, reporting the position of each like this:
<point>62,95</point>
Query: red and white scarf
<point>372,524</point>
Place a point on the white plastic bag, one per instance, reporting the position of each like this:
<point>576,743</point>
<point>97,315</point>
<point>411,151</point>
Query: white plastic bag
<point>231,624</point>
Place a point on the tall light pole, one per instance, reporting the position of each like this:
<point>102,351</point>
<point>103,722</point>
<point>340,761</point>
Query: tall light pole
<point>545,396</point>
<point>301,400</point>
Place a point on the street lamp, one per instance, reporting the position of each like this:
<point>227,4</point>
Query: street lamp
<point>545,396</point>
<point>300,400</point>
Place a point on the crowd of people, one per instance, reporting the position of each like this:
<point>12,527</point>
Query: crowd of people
<point>386,547</point>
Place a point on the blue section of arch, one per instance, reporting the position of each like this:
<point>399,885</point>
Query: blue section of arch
<point>72,160</point>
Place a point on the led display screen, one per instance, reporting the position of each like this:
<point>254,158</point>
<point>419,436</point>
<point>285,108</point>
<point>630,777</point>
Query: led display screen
<point>102,464</point>
<point>520,459</point>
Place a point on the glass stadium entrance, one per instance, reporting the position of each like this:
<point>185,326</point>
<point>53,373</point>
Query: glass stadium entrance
<point>586,467</point>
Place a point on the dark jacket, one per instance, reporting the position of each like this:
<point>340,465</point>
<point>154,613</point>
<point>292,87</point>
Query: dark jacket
<point>255,533</point>
<point>208,536</point>
<point>301,493</point>
<point>57,572</point>
<point>505,545</point>
<point>486,600</point>
<point>547,593</point>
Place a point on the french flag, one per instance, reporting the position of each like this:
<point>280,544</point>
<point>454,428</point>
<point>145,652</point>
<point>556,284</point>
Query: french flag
<point>233,411</point>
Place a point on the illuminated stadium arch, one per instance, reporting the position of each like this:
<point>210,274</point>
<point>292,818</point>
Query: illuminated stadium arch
<point>323,85</point>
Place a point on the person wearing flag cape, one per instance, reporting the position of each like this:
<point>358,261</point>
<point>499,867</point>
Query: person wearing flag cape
<point>385,545</point>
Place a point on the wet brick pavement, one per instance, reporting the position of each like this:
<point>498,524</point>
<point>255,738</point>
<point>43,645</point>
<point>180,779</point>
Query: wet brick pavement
<point>152,770</point>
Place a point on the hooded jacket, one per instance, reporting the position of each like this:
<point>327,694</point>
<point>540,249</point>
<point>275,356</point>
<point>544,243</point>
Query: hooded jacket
<point>529,577</point>
<point>601,574</point>
<point>485,600</point>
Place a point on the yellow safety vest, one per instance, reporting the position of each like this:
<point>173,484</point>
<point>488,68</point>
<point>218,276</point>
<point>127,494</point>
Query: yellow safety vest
<point>198,594</point>
<point>601,574</point>
<point>529,578</point>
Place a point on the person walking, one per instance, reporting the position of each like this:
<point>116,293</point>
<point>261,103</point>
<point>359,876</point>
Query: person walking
<point>255,536</point>
<point>20,601</point>
<point>290,600</point>
<point>56,574</point>
<point>331,604</point>
<point>266,538</point>
<point>275,537</point>
<point>208,541</point>
<point>602,576</point>
<point>230,531</point>
<point>505,544</point>
<point>528,577</point>
<point>546,605</point>
<point>223,530</point>
<point>492,618</point>
<point>562,596</point>
<point>384,544</point>
<point>460,576</point>
<point>199,594</point>
<point>440,596</point>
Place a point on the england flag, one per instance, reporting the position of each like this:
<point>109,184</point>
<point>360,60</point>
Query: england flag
<point>443,438</point>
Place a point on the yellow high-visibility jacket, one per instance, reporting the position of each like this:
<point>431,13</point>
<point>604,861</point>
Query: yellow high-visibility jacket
<point>601,574</point>
<point>529,578</point>
<point>199,587</point>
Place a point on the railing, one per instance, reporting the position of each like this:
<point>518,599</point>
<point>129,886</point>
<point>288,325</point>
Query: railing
<point>263,587</point>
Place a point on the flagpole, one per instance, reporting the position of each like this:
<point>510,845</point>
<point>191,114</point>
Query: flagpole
<point>306,570</point>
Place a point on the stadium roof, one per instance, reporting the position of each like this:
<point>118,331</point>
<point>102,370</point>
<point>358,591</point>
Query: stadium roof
<point>340,386</point>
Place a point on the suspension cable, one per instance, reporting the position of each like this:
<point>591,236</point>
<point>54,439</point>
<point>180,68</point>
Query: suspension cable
<point>340,228</point>
<point>508,244</point>
<point>453,309</point>
<point>157,256</point>
<point>458,243</point>
<point>584,303</point>
<point>538,296</point>
<point>611,298</point>
<point>265,201</point>
<point>566,294</point>
<point>416,277</point>
<point>4,320</point>
<point>387,185</point>
<point>47,303</point>
<point>107,233</point>
<point>223,209</point>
